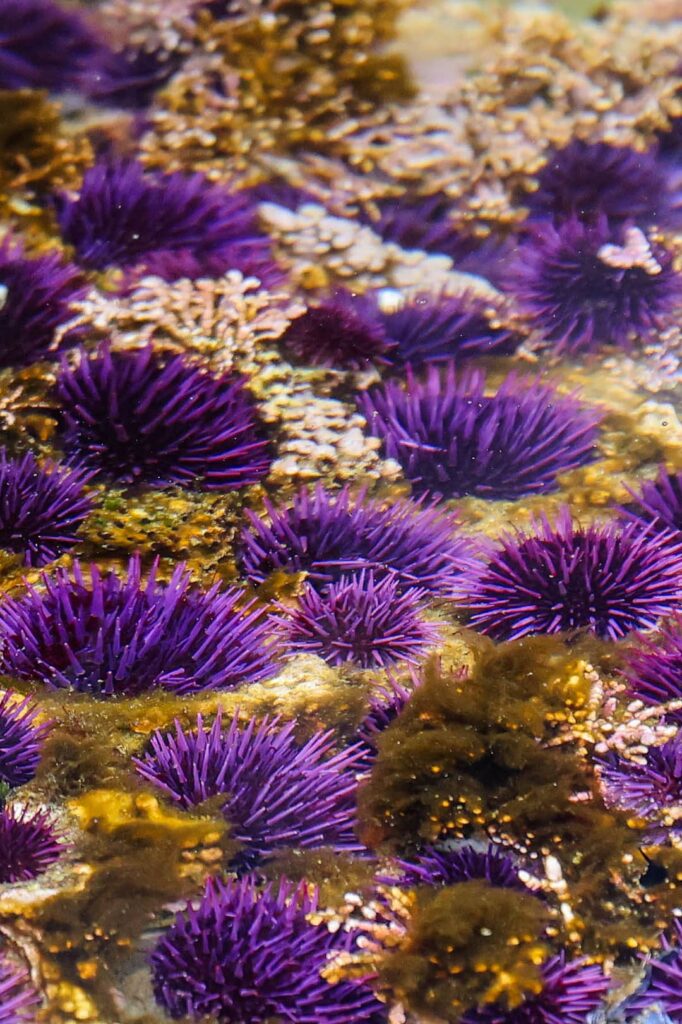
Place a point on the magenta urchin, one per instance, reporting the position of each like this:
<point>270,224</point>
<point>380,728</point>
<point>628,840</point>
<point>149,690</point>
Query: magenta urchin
<point>571,991</point>
<point>452,438</point>
<point>659,502</point>
<point>277,791</point>
<point>608,579</point>
<point>466,862</point>
<point>583,286</point>
<point>654,668</point>
<point>107,635</point>
<point>662,986</point>
<point>327,536</point>
<point>18,999</point>
<point>244,956</point>
<point>384,707</point>
<point>648,786</point>
<point>29,844</point>
<point>343,331</point>
<point>41,509</point>
<point>21,738</point>
<point>360,619</point>
<point>137,418</point>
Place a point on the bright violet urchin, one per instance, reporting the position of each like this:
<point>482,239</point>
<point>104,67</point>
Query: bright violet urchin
<point>654,668</point>
<point>607,579</point>
<point>39,301</point>
<point>29,845</point>
<point>582,286</point>
<point>663,985</point>
<point>328,536</point>
<point>109,636</point>
<point>43,46</point>
<point>433,866</point>
<point>278,792</point>
<point>453,439</point>
<point>137,418</point>
<point>40,509</point>
<point>360,619</point>
<point>647,790</point>
<point>244,956</point>
<point>21,739</point>
<point>571,991</point>
<point>659,503</point>
<point>589,180</point>
<point>18,999</point>
<point>126,217</point>
<point>431,329</point>
<point>343,332</point>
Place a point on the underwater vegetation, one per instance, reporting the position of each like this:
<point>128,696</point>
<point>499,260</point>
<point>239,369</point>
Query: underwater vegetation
<point>340,512</point>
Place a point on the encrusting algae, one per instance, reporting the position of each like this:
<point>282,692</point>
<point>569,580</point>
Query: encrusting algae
<point>340,512</point>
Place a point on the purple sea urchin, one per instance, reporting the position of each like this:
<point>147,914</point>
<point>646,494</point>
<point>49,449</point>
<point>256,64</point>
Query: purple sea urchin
<point>21,739</point>
<point>277,791</point>
<point>607,579</point>
<point>126,217</point>
<point>328,536</point>
<point>138,419</point>
<point>40,294</point>
<point>660,503</point>
<point>43,46</point>
<point>110,636</point>
<point>648,789</point>
<point>18,999</point>
<point>582,286</point>
<point>29,845</point>
<point>434,866</point>
<point>452,439</point>
<point>241,956</point>
<point>434,330</point>
<point>589,180</point>
<point>663,985</point>
<point>343,331</point>
<point>40,509</point>
<point>362,620</point>
<point>571,991</point>
<point>383,709</point>
<point>654,669</point>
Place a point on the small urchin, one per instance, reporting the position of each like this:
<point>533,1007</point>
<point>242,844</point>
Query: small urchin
<point>22,735</point>
<point>277,791</point>
<point>169,224</point>
<point>583,286</point>
<point>384,707</point>
<point>608,579</point>
<point>453,439</point>
<point>467,862</point>
<point>654,667</point>
<point>37,305</point>
<point>244,956</point>
<point>649,786</point>
<point>359,619</point>
<point>659,503</point>
<point>571,991</point>
<point>41,509</point>
<point>29,844</point>
<point>137,418</point>
<point>327,536</point>
<point>18,999</point>
<point>662,986</point>
<point>343,331</point>
<point>108,636</point>
<point>589,180</point>
<point>43,46</point>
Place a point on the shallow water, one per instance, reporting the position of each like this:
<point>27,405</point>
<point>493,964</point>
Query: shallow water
<point>340,512</point>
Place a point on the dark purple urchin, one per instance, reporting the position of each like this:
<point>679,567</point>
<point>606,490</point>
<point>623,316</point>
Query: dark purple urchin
<point>18,999</point>
<point>607,579</point>
<point>39,301</point>
<point>360,619</point>
<point>129,77</point>
<point>43,46</point>
<point>589,180</point>
<point>21,739</point>
<point>434,866</point>
<point>433,329</point>
<point>109,636</point>
<point>571,991</point>
<point>663,984</point>
<point>452,439</point>
<point>243,956</point>
<point>278,792</point>
<point>165,223</point>
<point>582,286</point>
<point>659,503</point>
<point>328,536</point>
<point>383,709</point>
<point>649,789</point>
<point>29,845</point>
<point>137,418</point>
<point>40,509</point>
<point>344,331</point>
<point>654,668</point>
